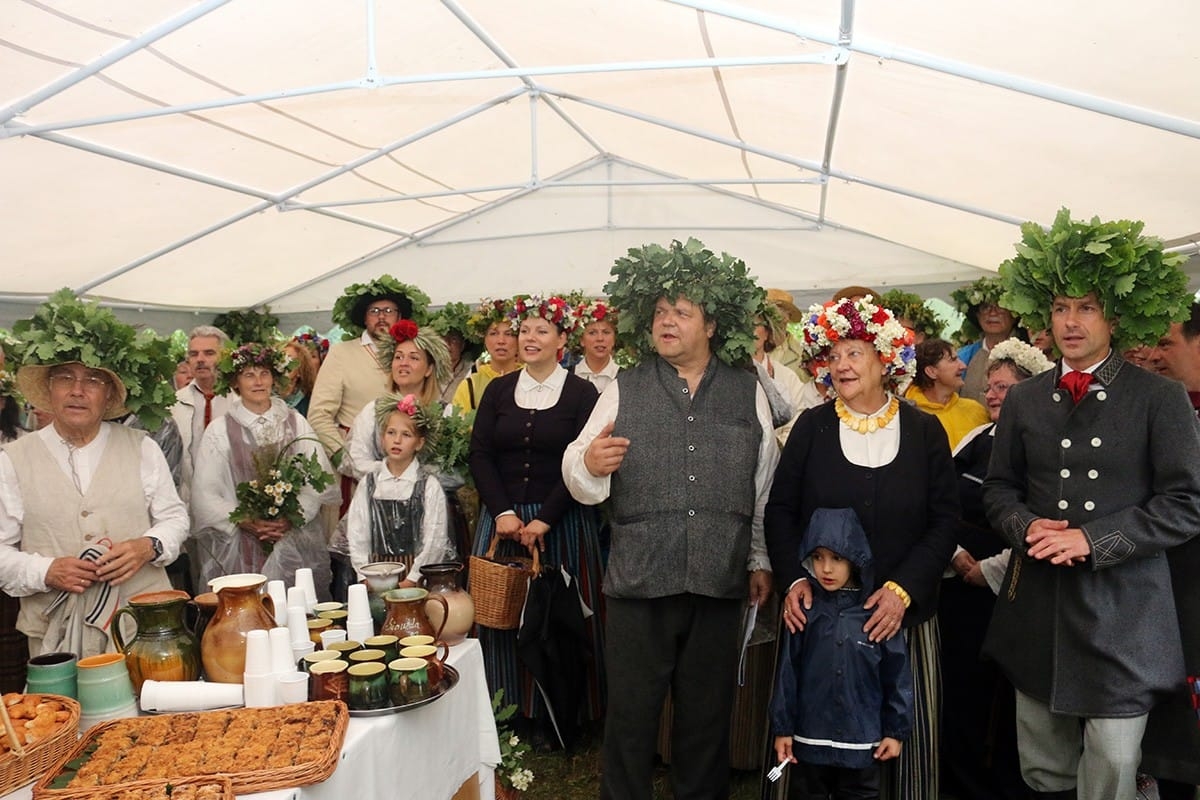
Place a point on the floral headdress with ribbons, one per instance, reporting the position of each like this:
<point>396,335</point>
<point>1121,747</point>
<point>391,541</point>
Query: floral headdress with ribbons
<point>430,343</point>
<point>824,325</point>
<point>406,404</point>
<point>252,354</point>
<point>553,309</point>
<point>317,344</point>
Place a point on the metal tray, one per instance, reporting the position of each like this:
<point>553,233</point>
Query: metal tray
<point>448,682</point>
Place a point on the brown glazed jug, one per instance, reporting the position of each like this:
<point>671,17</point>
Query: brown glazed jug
<point>241,607</point>
<point>162,649</point>
<point>406,613</point>
<point>442,579</point>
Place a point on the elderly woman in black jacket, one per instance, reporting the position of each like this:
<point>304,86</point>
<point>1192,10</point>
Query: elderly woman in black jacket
<point>890,463</point>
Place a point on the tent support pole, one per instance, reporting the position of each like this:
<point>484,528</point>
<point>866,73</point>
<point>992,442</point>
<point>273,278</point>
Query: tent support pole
<point>845,35</point>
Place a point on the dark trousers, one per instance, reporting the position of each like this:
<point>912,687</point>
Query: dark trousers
<point>822,782</point>
<point>688,643</point>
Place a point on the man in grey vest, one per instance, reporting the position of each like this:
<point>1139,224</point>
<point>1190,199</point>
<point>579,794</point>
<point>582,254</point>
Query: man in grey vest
<point>682,446</point>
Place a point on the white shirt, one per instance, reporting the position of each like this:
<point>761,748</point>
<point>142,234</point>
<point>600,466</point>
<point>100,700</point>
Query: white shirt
<point>875,449</point>
<point>532,395</point>
<point>590,490</point>
<point>601,379</point>
<point>435,538</point>
<point>22,573</point>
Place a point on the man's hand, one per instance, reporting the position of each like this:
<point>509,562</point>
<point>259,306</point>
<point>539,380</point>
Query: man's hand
<point>70,574</point>
<point>760,586</point>
<point>1051,540</point>
<point>795,602</point>
<point>888,617</point>
<point>124,559</point>
<point>605,453</point>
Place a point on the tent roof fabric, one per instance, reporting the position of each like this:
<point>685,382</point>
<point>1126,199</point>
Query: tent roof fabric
<point>180,158</point>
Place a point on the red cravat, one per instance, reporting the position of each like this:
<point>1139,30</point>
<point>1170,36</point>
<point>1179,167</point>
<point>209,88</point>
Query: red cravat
<point>1076,383</point>
<point>207,408</point>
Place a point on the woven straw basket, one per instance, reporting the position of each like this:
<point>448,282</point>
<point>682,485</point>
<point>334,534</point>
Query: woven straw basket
<point>499,585</point>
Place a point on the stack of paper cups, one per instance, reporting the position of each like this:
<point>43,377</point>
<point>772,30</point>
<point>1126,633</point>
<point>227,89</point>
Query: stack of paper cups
<point>304,580</point>
<point>297,623</point>
<point>359,625</point>
<point>301,649</point>
<point>278,594</point>
<point>281,651</point>
<point>258,682</point>
<point>296,599</point>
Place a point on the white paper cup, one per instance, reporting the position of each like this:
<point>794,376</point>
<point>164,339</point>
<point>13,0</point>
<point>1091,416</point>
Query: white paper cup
<point>292,687</point>
<point>297,623</point>
<point>301,649</point>
<point>296,598</point>
<point>358,606</point>
<point>258,653</point>
<point>304,580</point>
<point>281,650</point>
<point>278,594</point>
<point>357,631</point>
<point>189,695</point>
<point>259,690</point>
<point>331,637</point>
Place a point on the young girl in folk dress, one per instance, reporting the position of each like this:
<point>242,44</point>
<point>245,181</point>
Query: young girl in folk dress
<point>399,509</point>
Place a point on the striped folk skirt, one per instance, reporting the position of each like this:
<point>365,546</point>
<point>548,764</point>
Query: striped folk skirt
<point>914,775</point>
<point>572,543</point>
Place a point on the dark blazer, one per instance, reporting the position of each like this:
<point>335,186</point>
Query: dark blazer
<point>908,508</point>
<point>1099,638</point>
<point>516,454</point>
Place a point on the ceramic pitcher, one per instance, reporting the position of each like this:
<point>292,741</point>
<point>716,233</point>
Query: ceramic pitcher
<point>381,577</point>
<point>162,649</point>
<point>241,607</point>
<point>406,613</point>
<point>442,579</point>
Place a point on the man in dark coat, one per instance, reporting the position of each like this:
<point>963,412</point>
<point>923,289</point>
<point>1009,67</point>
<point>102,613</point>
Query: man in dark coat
<point>1095,474</point>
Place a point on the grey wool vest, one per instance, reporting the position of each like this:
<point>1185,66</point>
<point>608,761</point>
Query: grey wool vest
<point>683,499</point>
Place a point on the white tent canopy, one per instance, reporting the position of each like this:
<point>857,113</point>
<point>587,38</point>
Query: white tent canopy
<point>181,158</point>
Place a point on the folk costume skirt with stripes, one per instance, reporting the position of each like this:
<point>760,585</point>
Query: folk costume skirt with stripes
<point>914,774</point>
<point>572,543</point>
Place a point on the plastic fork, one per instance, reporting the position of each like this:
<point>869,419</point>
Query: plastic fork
<point>776,772</point>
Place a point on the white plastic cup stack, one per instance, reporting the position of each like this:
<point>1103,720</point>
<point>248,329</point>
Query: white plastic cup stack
<point>304,580</point>
<point>258,681</point>
<point>277,591</point>
<point>297,624</point>
<point>296,599</point>
<point>301,649</point>
<point>332,637</point>
<point>281,651</point>
<point>359,625</point>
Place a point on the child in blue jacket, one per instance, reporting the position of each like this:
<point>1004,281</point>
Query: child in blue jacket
<point>842,703</point>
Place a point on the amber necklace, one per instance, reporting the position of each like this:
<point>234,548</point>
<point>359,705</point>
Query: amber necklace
<point>865,425</point>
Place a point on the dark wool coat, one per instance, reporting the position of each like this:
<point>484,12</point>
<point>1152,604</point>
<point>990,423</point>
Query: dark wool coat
<point>1099,638</point>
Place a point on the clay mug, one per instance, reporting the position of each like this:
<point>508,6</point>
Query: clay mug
<point>409,679</point>
<point>345,648</point>
<point>104,684</point>
<point>315,628</point>
<point>367,655</point>
<point>368,686</point>
<point>389,644</point>
<point>310,660</point>
<point>429,652</point>
<point>52,673</point>
<point>328,680</point>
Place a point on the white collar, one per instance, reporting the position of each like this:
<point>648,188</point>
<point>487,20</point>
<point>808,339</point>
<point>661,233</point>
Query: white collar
<point>554,381</point>
<point>382,473</point>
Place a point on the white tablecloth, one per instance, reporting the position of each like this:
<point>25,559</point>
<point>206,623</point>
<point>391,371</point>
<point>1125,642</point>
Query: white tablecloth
<point>423,754</point>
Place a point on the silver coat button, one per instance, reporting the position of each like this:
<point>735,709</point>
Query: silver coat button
<point>1096,442</point>
<point>1089,505</point>
<point>1066,473</point>
<point>1065,443</point>
<point>1063,504</point>
<point>1093,474</point>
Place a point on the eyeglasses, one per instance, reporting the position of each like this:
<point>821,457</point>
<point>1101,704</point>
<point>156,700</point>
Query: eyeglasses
<point>90,383</point>
<point>382,311</point>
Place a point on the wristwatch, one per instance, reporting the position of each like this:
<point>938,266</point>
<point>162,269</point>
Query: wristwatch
<point>158,548</point>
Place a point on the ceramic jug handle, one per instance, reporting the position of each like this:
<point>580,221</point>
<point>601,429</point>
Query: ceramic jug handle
<point>122,645</point>
<point>269,604</point>
<point>445,614</point>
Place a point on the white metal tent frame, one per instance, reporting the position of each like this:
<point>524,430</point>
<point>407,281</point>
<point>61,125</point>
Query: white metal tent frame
<point>542,97</point>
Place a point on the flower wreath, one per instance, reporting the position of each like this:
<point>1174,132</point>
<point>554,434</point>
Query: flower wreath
<point>431,344</point>
<point>1025,356</point>
<point>488,313</point>
<point>913,308</point>
<point>8,386</point>
<point>1137,284</point>
<point>408,404</point>
<point>252,354</point>
<point>346,307</point>
<point>317,344</point>
<point>967,299</point>
<point>553,309</point>
<point>863,320</point>
<point>588,311</point>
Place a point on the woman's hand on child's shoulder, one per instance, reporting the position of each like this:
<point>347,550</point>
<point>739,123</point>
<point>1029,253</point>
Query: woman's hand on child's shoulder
<point>888,748</point>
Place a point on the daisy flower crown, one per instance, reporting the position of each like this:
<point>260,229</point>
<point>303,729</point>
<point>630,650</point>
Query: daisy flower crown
<point>1025,356</point>
<point>554,309</point>
<point>488,313</point>
<point>253,354</point>
<point>825,325</point>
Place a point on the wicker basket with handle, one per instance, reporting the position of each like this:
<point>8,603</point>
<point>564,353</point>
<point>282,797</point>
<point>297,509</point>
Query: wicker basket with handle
<point>498,586</point>
<point>19,768</point>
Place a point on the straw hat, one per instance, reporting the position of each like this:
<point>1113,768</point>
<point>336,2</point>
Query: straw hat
<point>34,382</point>
<point>784,301</point>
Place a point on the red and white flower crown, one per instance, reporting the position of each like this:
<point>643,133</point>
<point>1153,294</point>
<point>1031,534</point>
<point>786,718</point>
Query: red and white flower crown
<point>832,322</point>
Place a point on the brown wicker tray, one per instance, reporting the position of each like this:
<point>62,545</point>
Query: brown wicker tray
<point>258,748</point>
<point>18,770</point>
<point>199,787</point>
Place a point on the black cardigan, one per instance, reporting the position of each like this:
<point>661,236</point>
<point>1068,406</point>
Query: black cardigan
<point>908,508</point>
<point>516,454</point>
